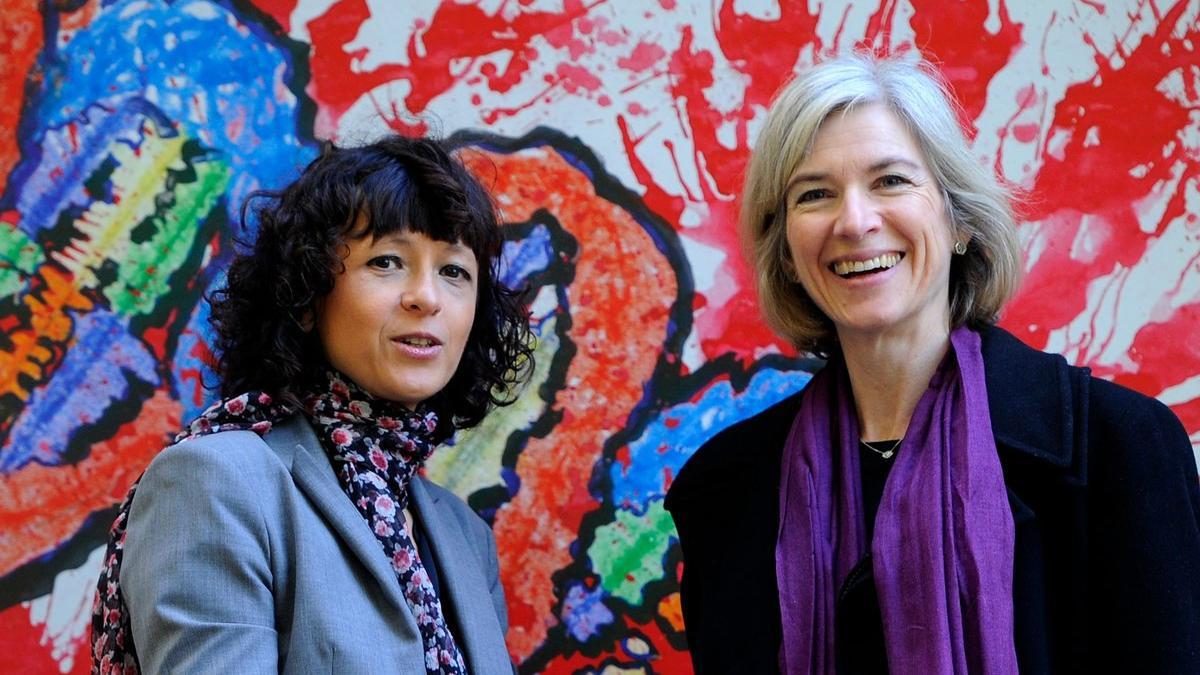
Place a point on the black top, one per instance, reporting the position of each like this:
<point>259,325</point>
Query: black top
<point>874,467</point>
<point>1105,499</point>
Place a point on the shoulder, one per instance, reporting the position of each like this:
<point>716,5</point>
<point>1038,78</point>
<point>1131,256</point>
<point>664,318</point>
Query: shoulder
<point>1133,434</point>
<point>225,450</point>
<point>1029,374</point>
<point>1040,401</point>
<point>744,450</point>
<point>214,464</point>
<point>1121,407</point>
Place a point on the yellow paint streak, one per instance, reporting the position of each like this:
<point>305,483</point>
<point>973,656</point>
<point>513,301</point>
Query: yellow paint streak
<point>139,178</point>
<point>474,462</point>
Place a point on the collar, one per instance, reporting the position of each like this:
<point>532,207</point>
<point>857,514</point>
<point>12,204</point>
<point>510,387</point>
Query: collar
<point>1038,401</point>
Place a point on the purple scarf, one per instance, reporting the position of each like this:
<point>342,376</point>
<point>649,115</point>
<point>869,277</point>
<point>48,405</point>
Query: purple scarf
<point>943,542</point>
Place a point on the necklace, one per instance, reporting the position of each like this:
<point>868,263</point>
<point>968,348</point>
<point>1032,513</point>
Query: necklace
<point>885,449</point>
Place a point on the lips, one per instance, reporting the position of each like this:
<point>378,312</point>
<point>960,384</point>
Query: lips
<point>420,346</point>
<point>419,340</point>
<point>852,268</point>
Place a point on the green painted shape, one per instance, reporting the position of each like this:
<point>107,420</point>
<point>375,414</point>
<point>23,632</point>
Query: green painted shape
<point>474,462</point>
<point>19,258</point>
<point>142,276</point>
<point>628,552</point>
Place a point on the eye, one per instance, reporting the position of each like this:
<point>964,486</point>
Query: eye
<point>456,272</point>
<point>386,262</point>
<point>812,195</point>
<point>892,180</point>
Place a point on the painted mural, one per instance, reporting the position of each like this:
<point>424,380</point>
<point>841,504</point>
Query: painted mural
<point>613,134</point>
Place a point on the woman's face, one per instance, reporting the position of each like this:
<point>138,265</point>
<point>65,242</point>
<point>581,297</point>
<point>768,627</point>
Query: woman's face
<point>867,228</point>
<point>398,317</point>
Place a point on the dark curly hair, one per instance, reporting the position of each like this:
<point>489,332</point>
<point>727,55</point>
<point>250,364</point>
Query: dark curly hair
<point>262,314</point>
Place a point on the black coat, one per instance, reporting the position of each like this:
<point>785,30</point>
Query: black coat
<point>1106,501</point>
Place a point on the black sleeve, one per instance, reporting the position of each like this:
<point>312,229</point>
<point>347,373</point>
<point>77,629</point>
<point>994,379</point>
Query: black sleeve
<point>1144,536</point>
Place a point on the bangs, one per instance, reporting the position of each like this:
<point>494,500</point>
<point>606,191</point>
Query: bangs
<point>392,202</point>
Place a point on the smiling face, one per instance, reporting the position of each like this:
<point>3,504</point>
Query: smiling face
<point>867,229</point>
<point>398,317</point>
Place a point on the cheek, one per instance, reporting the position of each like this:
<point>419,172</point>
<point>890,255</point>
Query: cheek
<point>465,319</point>
<point>803,250</point>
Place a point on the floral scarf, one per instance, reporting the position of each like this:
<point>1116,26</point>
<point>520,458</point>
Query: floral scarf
<point>375,447</point>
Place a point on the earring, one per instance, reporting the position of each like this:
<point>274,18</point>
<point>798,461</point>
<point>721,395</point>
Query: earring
<point>960,248</point>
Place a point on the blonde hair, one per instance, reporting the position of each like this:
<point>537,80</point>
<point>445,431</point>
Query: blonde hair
<point>978,206</point>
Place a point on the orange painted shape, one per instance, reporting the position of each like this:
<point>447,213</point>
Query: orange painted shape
<point>49,326</point>
<point>671,609</point>
<point>619,302</point>
<point>42,506</point>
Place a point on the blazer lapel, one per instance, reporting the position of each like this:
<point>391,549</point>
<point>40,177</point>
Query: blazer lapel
<point>295,442</point>
<point>463,585</point>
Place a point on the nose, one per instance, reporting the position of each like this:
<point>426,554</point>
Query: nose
<point>857,215</point>
<point>420,293</point>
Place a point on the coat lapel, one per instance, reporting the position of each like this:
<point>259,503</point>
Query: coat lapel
<point>295,442</point>
<point>1038,402</point>
<point>463,586</point>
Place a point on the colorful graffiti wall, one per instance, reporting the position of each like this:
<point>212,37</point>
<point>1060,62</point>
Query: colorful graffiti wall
<point>614,134</point>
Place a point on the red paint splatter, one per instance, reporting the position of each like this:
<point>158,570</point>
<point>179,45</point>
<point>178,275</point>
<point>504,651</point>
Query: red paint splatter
<point>623,459</point>
<point>1026,133</point>
<point>1092,184</point>
<point>155,337</point>
<point>573,78</point>
<point>643,56</point>
<point>1165,354</point>
<point>969,55</point>
<point>1189,414</point>
<point>736,327</point>
<point>457,31</point>
<point>879,27</point>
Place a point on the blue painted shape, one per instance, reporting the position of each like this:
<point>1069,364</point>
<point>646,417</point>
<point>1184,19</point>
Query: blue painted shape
<point>222,81</point>
<point>584,612</point>
<point>525,257</point>
<point>677,432</point>
<point>92,377</point>
<point>189,371</point>
<point>71,154</point>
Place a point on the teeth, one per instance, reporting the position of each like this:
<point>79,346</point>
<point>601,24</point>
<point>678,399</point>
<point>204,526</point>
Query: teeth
<point>879,262</point>
<point>419,342</point>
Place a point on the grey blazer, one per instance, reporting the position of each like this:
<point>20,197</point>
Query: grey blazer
<point>243,554</point>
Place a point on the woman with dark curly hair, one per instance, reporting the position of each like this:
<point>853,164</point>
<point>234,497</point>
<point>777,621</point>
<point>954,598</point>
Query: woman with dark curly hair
<point>286,530</point>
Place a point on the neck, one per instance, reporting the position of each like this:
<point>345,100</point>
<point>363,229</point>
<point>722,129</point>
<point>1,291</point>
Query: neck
<point>888,375</point>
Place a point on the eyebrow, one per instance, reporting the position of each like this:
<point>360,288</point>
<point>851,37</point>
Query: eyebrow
<point>882,164</point>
